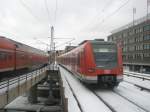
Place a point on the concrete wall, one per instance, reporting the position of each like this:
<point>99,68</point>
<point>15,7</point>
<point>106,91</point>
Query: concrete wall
<point>18,90</point>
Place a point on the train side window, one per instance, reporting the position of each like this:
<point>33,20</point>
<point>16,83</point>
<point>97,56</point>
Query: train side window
<point>3,56</point>
<point>9,56</point>
<point>78,59</point>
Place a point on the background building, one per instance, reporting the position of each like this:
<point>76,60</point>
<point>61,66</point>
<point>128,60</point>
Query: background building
<point>135,39</point>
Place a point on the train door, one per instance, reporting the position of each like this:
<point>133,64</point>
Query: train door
<point>82,58</point>
<point>78,62</point>
<point>15,60</point>
<point>3,64</point>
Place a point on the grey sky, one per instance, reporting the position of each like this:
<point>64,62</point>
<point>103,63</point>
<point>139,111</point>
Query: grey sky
<point>27,21</point>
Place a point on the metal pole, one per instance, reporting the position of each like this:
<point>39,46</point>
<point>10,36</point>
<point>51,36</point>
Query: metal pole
<point>54,56</point>
<point>51,43</point>
<point>7,91</point>
<point>52,36</point>
<point>133,15</point>
<point>147,10</point>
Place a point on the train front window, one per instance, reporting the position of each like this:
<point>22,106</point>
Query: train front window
<point>104,48</point>
<point>105,55</point>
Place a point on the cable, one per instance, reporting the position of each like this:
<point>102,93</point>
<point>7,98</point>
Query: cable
<point>98,14</point>
<point>41,42</point>
<point>11,34</point>
<point>28,9</point>
<point>55,17</point>
<point>112,14</point>
<point>118,9</point>
<point>107,4</point>
<point>55,13</point>
<point>47,10</point>
<point>65,43</point>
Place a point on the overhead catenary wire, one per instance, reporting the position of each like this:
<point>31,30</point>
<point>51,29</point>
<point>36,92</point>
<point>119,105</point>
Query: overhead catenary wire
<point>56,8</point>
<point>103,9</point>
<point>112,14</point>
<point>47,10</point>
<point>65,43</point>
<point>55,13</point>
<point>118,9</point>
<point>12,35</point>
<point>99,13</point>
<point>29,10</point>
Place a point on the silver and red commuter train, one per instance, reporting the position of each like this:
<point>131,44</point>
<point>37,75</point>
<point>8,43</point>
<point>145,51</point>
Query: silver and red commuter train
<point>15,56</point>
<point>95,61</point>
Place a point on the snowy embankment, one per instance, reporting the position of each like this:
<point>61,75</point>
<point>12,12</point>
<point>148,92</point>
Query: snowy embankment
<point>137,81</point>
<point>117,102</point>
<point>135,95</point>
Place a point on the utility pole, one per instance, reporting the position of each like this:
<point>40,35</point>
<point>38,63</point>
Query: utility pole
<point>52,38</point>
<point>148,3</point>
<point>134,11</point>
<point>51,44</point>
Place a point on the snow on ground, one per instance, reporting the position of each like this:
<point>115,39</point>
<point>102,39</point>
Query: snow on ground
<point>72,104</point>
<point>89,102</point>
<point>130,92</point>
<point>117,102</point>
<point>141,82</point>
<point>131,72</point>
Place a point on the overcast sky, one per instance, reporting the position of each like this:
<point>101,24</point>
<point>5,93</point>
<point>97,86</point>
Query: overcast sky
<point>29,21</point>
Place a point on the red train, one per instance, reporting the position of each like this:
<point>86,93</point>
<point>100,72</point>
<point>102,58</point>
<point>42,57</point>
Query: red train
<point>15,56</point>
<point>95,61</point>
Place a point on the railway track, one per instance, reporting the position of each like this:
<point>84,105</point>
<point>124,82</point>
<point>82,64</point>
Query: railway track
<point>85,100</point>
<point>105,102</point>
<point>116,102</point>
<point>134,95</point>
<point>138,106</point>
<point>138,86</point>
<point>138,75</point>
<point>112,99</point>
<point>142,79</point>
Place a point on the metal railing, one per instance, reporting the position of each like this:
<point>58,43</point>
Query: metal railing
<point>11,82</point>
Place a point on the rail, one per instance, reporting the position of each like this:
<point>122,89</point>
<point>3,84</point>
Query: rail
<point>138,75</point>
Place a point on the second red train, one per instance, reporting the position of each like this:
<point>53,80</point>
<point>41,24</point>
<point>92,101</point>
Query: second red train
<point>95,61</point>
<point>15,56</point>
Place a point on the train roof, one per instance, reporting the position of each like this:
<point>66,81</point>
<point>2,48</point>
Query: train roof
<point>97,41</point>
<point>10,44</point>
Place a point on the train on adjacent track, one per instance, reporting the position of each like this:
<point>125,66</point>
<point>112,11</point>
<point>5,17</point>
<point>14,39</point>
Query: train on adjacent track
<point>15,56</point>
<point>95,62</point>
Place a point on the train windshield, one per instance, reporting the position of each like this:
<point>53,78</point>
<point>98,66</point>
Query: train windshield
<point>105,55</point>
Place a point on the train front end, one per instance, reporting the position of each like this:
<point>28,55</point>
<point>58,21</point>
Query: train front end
<point>104,63</point>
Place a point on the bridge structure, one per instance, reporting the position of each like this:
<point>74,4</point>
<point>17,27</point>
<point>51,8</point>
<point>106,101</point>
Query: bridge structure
<point>14,87</point>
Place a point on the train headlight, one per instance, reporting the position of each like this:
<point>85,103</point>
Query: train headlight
<point>91,70</point>
<point>120,78</point>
